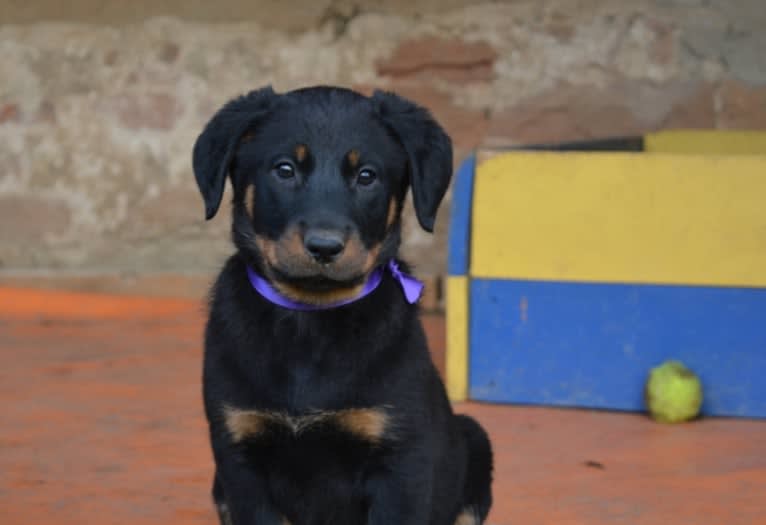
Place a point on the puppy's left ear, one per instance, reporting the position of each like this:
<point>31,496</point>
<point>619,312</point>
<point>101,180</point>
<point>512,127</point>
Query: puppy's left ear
<point>429,151</point>
<point>216,146</point>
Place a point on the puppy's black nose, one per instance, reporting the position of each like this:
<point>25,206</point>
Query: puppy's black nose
<point>322,245</point>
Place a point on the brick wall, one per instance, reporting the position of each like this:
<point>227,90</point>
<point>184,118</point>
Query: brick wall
<point>99,110</point>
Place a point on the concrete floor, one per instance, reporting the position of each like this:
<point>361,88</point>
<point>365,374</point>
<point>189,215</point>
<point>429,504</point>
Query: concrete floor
<point>101,422</point>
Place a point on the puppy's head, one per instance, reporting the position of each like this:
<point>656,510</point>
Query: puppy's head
<point>319,177</point>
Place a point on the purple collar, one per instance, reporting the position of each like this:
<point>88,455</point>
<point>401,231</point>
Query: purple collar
<point>411,287</point>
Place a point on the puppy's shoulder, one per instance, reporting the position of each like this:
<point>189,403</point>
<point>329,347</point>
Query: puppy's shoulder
<point>231,286</point>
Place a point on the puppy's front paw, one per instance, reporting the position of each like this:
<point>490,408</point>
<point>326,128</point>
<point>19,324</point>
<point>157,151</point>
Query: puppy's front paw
<point>468,516</point>
<point>224,515</point>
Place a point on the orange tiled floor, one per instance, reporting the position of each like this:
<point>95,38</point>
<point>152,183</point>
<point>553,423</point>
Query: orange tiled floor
<point>101,422</point>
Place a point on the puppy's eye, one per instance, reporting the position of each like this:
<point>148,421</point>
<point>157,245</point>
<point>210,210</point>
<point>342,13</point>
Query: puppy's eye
<point>366,177</point>
<point>284,170</point>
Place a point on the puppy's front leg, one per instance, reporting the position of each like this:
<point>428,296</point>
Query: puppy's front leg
<point>244,494</point>
<point>402,495</point>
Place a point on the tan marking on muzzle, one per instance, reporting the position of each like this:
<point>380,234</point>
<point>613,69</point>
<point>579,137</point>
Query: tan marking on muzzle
<point>340,294</point>
<point>250,200</point>
<point>391,213</point>
<point>267,249</point>
<point>289,256</point>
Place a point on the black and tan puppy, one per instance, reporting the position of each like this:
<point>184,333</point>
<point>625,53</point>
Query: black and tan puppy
<point>324,406</point>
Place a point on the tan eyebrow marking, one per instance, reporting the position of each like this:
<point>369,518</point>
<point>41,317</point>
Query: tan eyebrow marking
<point>301,152</point>
<point>353,158</point>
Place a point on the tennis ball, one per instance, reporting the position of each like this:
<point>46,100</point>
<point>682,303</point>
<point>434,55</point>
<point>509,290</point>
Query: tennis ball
<point>673,393</point>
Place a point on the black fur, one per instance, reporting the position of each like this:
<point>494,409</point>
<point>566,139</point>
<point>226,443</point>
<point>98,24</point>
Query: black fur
<point>428,148</point>
<point>426,465</point>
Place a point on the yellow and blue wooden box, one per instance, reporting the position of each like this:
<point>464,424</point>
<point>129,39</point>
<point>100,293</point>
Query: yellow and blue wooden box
<point>574,269</point>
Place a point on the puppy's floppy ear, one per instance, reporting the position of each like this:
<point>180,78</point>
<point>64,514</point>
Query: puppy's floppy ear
<point>216,146</point>
<point>429,151</point>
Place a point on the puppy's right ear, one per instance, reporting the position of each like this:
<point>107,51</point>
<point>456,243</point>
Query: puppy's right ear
<point>215,147</point>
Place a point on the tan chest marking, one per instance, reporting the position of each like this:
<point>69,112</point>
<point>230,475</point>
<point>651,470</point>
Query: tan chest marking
<point>368,424</point>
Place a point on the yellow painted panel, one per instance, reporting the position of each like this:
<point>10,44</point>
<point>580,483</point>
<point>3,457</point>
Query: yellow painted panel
<point>457,337</point>
<point>621,217</point>
<point>707,142</point>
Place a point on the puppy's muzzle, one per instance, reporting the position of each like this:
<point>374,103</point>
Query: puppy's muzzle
<point>324,245</point>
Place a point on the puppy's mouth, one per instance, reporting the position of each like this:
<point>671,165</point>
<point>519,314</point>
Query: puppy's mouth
<point>317,289</point>
<point>319,282</point>
<point>301,277</point>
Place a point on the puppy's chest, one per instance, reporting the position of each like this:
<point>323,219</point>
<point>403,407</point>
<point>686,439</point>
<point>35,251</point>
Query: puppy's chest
<point>297,378</point>
<point>307,392</point>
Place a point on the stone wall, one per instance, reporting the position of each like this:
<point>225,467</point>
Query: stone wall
<point>99,110</point>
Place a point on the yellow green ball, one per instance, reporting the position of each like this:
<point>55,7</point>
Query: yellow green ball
<point>673,393</point>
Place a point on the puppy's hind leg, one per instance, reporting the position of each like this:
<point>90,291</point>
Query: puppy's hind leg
<point>224,515</point>
<point>478,479</point>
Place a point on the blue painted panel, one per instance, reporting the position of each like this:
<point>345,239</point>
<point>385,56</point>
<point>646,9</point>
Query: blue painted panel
<point>592,345</point>
<point>460,218</point>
